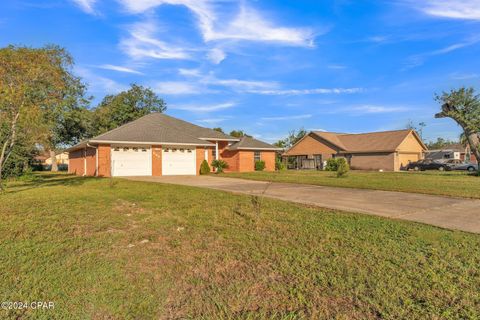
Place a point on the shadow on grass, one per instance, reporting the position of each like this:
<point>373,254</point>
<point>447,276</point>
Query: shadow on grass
<point>41,180</point>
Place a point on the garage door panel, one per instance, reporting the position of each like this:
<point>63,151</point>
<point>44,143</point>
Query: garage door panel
<point>178,161</point>
<point>131,161</point>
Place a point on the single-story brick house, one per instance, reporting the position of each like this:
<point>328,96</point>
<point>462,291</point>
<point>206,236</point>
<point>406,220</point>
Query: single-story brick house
<point>158,144</point>
<point>387,150</point>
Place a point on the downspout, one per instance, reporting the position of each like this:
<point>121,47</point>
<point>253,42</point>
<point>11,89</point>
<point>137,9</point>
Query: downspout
<point>96,158</point>
<point>84,161</point>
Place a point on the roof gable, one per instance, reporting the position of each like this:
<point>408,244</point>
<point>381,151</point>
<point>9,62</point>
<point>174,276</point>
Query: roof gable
<point>249,143</point>
<point>384,141</point>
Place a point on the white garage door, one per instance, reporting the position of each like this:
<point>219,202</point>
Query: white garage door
<point>131,161</point>
<point>178,161</point>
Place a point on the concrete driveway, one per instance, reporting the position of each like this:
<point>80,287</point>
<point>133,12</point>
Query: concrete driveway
<point>445,212</point>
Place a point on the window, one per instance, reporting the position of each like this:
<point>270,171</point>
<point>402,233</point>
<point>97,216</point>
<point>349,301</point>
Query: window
<point>135,149</point>
<point>144,150</point>
<point>189,150</point>
<point>182,150</point>
<point>166,150</point>
<point>116,149</point>
<point>126,148</point>
<point>256,156</point>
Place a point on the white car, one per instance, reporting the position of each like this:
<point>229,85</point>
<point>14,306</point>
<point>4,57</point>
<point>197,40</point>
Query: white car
<point>456,164</point>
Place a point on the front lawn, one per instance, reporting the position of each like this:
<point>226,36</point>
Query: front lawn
<point>117,249</point>
<point>452,183</point>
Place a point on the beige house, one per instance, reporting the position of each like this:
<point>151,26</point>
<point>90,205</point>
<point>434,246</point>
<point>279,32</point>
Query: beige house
<point>387,150</point>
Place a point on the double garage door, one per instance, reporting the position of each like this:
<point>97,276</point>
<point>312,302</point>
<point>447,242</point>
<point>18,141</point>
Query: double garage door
<point>137,161</point>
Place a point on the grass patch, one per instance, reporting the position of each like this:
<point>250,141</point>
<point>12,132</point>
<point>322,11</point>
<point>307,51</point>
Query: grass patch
<point>452,183</point>
<point>138,250</point>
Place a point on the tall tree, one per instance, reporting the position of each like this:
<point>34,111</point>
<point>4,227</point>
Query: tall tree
<point>238,134</point>
<point>463,106</point>
<point>292,138</point>
<point>218,129</point>
<point>32,83</point>
<point>440,143</point>
<point>126,106</point>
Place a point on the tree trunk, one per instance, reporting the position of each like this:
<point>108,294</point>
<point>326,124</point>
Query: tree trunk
<point>53,158</point>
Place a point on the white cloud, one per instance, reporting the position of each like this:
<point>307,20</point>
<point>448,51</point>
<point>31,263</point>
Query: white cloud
<point>211,121</point>
<point>119,68</point>
<point>86,5</point>
<point>204,108</point>
<point>337,66</point>
<point>189,72</point>
<point>373,109</point>
<point>98,83</point>
<point>464,76</point>
<point>216,55</point>
<point>248,25</point>
<point>142,43</point>
<point>453,9</point>
<point>297,117</point>
<point>419,59</point>
<point>177,88</point>
<point>309,91</point>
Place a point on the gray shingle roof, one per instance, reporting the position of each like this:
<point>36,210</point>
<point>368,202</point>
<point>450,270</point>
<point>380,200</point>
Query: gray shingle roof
<point>249,143</point>
<point>160,128</point>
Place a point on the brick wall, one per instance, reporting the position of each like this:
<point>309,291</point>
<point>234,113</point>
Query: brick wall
<point>309,146</point>
<point>269,158</point>
<point>156,161</point>
<point>373,161</point>
<point>201,156</point>
<point>104,161</point>
<point>76,162</point>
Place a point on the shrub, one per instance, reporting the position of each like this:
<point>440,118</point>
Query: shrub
<point>219,165</point>
<point>204,167</point>
<point>332,165</point>
<point>342,167</point>
<point>259,165</point>
<point>279,165</point>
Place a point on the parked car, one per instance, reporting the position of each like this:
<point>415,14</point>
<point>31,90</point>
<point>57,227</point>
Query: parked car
<point>456,164</point>
<point>428,164</point>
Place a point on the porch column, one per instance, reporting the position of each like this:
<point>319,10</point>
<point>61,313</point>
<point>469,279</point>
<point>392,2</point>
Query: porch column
<point>216,150</point>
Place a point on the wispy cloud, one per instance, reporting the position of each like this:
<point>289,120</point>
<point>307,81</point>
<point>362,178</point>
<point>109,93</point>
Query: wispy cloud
<point>177,88</point>
<point>98,83</point>
<point>216,55</point>
<point>452,9</point>
<point>212,121</point>
<point>336,66</point>
<point>419,59</point>
<point>297,117</point>
<point>143,43</point>
<point>86,5</point>
<point>119,68</point>
<point>249,24</point>
<point>309,91</point>
<point>204,108</point>
<point>464,76</point>
<point>375,109</point>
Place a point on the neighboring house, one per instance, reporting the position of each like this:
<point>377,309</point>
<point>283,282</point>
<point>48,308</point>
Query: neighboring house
<point>157,145</point>
<point>387,150</point>
<point>45,159</point>
<point>62,158</point>
<point>452,151</point>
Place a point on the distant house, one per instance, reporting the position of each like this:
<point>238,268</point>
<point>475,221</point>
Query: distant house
<point>387,150</point>
<point>159,145</point>
<point>452,151</point>
<point>44,159</point>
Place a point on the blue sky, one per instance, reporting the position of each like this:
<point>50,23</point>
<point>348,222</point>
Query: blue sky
<point>268,67</point>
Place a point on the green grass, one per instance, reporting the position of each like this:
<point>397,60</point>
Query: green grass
<point>82,243</point>
<point>452,183</point>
